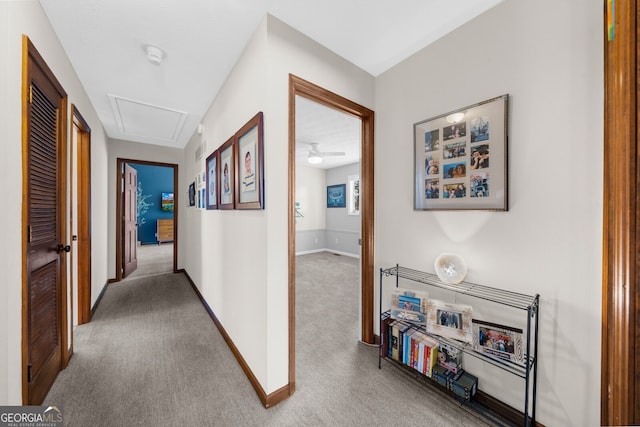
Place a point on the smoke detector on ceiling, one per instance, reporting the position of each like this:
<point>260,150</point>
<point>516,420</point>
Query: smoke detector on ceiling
<point>155,55</point>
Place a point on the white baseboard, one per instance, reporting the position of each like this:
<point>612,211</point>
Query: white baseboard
<point>315,251</point>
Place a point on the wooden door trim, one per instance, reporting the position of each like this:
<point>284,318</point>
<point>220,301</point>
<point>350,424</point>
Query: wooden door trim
<point>619,353</point>
<point>83,213</point>
<point>298,86</point>
<point>120,214</point>
<point>30,55</point>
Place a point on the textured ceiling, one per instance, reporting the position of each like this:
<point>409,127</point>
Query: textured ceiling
<point>202,40</point>
<point>332,130</point>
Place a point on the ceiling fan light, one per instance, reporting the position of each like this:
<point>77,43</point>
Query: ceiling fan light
<point>314,158</point>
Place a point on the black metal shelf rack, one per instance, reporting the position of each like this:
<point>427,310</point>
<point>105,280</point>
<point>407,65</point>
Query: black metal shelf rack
<point>528,303</point>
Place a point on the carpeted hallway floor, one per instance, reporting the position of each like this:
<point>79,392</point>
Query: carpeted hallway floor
<point>151,356</point>
<point>153,259</point>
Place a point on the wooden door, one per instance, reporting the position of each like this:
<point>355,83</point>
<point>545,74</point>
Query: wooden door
<point>130,238</point>
<point>82,139</point>
<point>44,299</point>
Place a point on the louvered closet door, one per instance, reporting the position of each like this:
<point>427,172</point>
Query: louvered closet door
<point>44,236</point>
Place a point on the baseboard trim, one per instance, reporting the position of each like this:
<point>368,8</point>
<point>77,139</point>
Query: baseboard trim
<point>315,251</point>
<point>99,299</point>
<point>312,251</point>
<point>498,407</point>
<point>268,400</point>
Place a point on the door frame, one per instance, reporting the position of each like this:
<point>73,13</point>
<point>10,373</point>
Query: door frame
<point>298,86</point>
<point>31,56</point>
<point>620,351</point>
<point>120,214</point>
<point>82,210</point>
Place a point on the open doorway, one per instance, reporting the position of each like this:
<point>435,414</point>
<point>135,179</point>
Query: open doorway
<point>310,92</point>
<point>146,240</point>
<point>328,221</point>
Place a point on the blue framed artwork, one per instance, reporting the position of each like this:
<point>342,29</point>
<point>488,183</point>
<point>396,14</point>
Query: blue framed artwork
<point>336,196</point>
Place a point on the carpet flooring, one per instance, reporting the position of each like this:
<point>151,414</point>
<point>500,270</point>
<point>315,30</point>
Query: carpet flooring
<point>153,259</point>
<point>151,356</point>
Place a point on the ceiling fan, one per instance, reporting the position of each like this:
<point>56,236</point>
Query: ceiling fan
<point>315,155</point>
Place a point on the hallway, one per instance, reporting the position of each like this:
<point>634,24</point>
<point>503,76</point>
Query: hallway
<point>152,356</point>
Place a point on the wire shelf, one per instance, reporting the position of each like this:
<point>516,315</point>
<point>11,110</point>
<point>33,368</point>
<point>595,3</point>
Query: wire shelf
<point>512,299</point>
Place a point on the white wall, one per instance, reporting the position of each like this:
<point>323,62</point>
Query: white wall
<point>343,230</point>
<point>321,228</point>
<point>310,192</point>
<point>310,226</point>
<point>549,242</point>
<point>227,274</point>
<point>18,18</point>
<point>292,52</point>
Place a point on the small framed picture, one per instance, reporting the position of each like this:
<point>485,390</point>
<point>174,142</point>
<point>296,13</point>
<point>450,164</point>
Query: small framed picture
<point>409,305</point>
<point>226,175</point>
<point>336,196</point>
<point>192,194</point>
<point>450,320</point>
<point>449,357</point>
<point>250,160</point>
<point>498,341</point>
<point>354,195</point>
<point>212,181</point>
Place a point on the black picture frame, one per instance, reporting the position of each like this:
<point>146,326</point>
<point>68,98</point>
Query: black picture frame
<point>337,196</point>
<point>192,194</point>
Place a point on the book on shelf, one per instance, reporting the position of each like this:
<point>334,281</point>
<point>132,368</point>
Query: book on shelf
<point>430,355</point>
<point>417,339</point>
<point>442,375</point>
<point>418,366</point>
<point>385,320</point>
<point>395,339</point>
<point>407,349</point>
<point>404,327</point>
<point>410,345</point>
<point>464,385</point>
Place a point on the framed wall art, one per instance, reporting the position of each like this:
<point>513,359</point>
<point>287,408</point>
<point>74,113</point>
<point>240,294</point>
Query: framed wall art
<point>226,175</point>
<point>460,159</point>
<point>337,196</point>
<point>212,181</point>
<point>192,194</point>
<point>249,156</point>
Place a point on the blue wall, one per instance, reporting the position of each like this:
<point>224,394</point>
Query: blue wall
<point>155,180</point>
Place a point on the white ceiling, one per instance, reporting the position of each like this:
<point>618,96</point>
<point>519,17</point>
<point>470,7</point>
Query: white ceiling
<point>332,130</point>
<point>202,39</point>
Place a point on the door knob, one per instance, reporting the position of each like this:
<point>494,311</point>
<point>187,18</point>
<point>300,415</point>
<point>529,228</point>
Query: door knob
<point>61,248</point>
